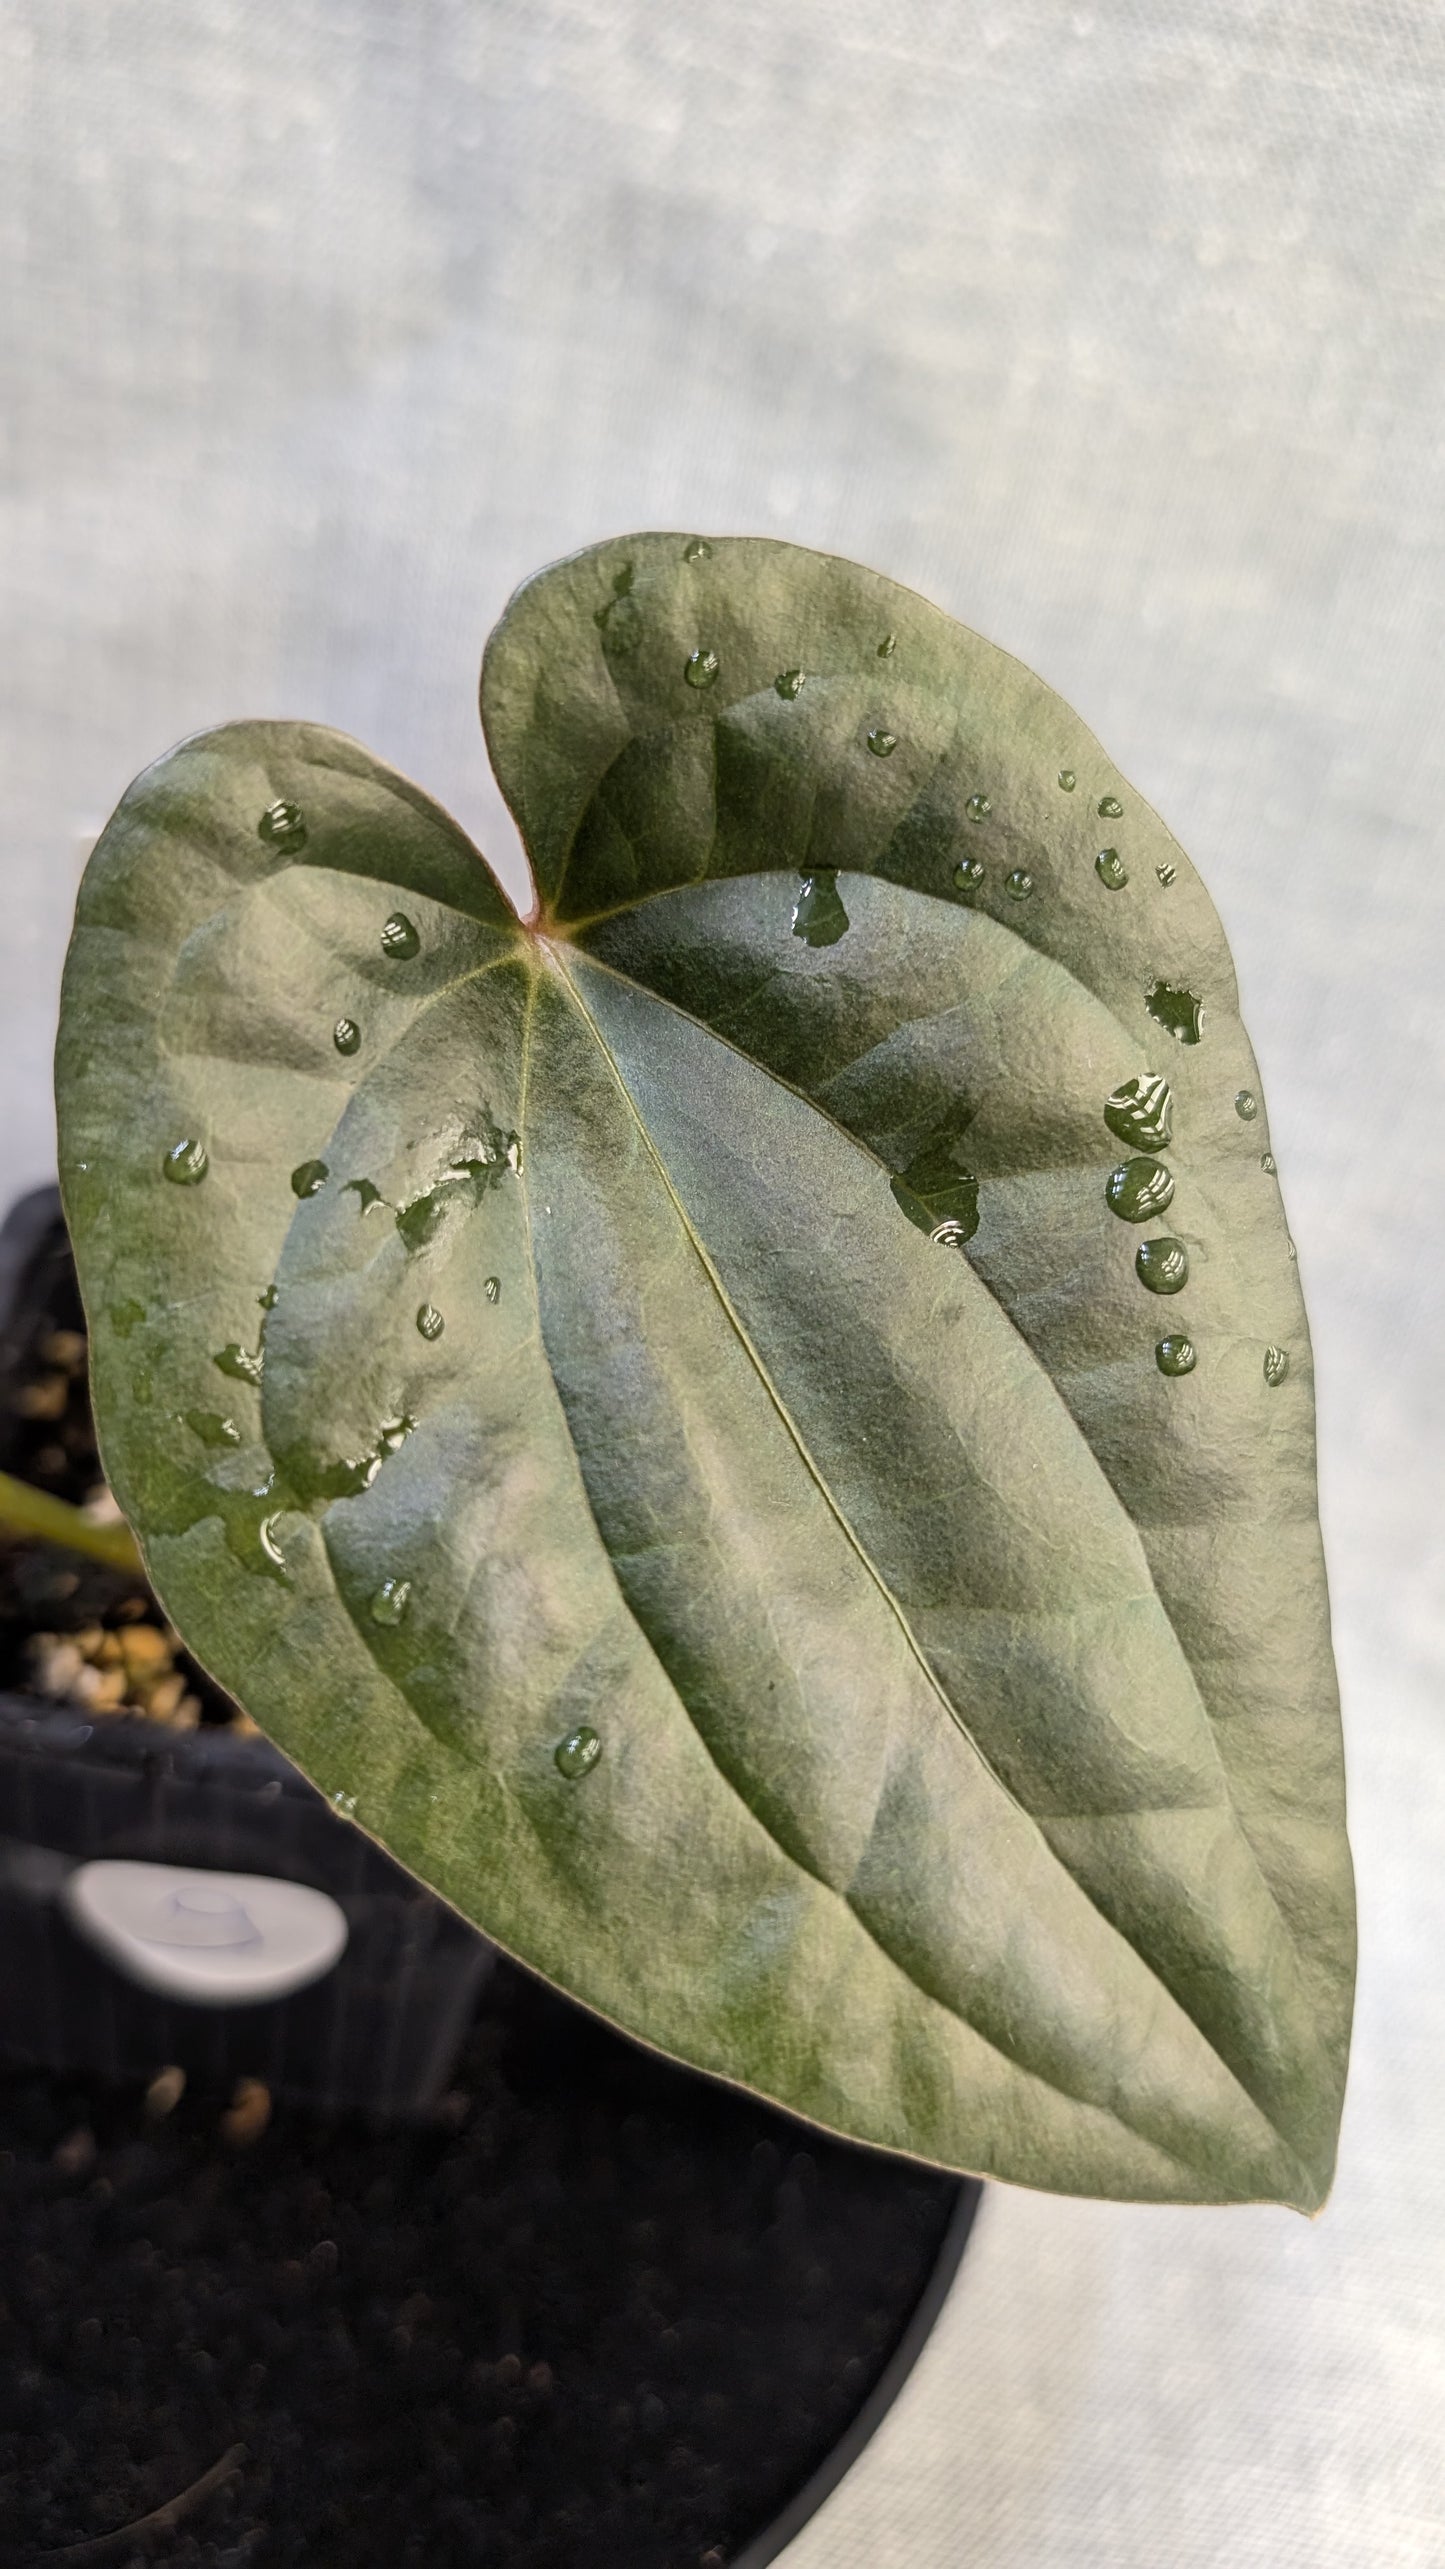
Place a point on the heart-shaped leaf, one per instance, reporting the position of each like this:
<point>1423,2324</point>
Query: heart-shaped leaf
<point>757,1430</point>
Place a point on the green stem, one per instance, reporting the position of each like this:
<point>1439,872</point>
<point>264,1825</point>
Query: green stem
<point>35,1516</point>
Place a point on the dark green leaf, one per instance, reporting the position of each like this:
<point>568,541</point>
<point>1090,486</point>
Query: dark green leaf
<point>712,1493</point>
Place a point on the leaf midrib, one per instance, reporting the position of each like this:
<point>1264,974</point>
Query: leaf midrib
<point>872,1572</point>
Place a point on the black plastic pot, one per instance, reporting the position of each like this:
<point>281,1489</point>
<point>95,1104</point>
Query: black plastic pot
<point>596,2312</point>
<point>380,2031</point>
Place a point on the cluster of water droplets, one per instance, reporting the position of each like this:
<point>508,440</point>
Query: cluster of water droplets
<point>1141,1111</point>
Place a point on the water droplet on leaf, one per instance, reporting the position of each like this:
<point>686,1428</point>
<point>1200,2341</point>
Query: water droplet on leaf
<point>346,1034</point>
<point>1111,809</point>
<point>1166,874</point>
<point>819,917</point>
<point>1276,1366</point>
<point>1246,1105</point>
<point>1111,869</point>
<point>1289,1244</point>
<point>1177,1011</point>
<point>968,873</point>
<point>790,683</point>
<point>399,939</point>
<point>283,825</point>
<point>239,1363</point>
<point>430,1322</point>
<point>938,1194</point>
<point>1067,779</point>
<point>1141,1111</point>
<point>1268,1163</point>
<point>1162,1265</point>
<point>365,1191</point>
<point>578,1753</point>
<point>1175,1356</point>
<point>269,1545</point>
<point>186,1163</point>
<point>1019,884</point>
<point>389,1605</point>
<point>883,743</point>
<point>978,807</point>
<point>345,1803</point>
<point>269,1299</point>
<point>309,1178</point>
<point>394,1434</point>
<point>888,646</point>
<point>212,1428</point>
<point>701,668</point>
<point>493,1288</point>
<point>1138,1190</point>
<point>696,549</point>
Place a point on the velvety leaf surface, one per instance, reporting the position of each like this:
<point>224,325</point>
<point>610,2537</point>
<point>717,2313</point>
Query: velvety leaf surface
<point>762,1427</point>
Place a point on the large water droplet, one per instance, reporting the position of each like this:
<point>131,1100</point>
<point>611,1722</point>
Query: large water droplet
<point>1166,874</point>
<point>978,807</point>
<point>309,1178</point>
<point>239,1363</point>
<point>346,1478</point>
<point>883,743</point>
<point>126,1316</point>
<point>268,1545</point>
<point>1138,1190</point>
<point>495,1157</point>
<point>1019,884</point>
<point>1110,808</point>
<point>790,683</point>
<point>938,1194</point>
<point>888,646</point>
<point>346,1034</point>
<point>212,1428</point>
<point>186,1163</point>
<point>366,1192</point>
<point>696,549</point>
<point>493,1288</point>
<point>1276,1366</point>
<point>283,825</point>
<point>1067,779</point>
<point>389,1605</point>
<point>1177,1011</point>
<point>1246,1105</point>
<point>1176,1356</point>
<point>1141,1111</point>
<point>345,1803</point>
<point>430,1322</point>
<point>819,917</point>
<point>399,938</point>
<point>701,668</point>
<point>1162,1265</point>
<point>968,873</point>
<point>1111,869</point>
<point>1268,1163</point>
<point>577,1754</point>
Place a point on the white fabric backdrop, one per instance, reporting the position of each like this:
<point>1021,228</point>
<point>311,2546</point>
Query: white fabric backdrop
<point>1118,329</point>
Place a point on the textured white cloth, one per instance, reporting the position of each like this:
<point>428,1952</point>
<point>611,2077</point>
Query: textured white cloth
<point>1120,331</point>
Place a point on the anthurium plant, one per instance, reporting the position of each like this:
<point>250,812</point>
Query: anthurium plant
<point>755,1425</point>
